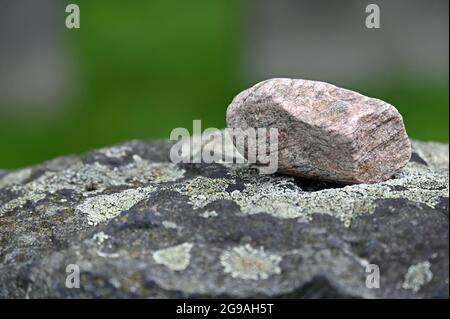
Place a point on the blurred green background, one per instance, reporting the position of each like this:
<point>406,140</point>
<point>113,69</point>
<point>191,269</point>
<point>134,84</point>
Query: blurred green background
<point>142,68</point>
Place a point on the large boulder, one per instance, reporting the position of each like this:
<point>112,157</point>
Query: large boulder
<point>137,225</point>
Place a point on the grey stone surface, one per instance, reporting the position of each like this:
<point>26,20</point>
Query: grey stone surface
<point>139,226</point>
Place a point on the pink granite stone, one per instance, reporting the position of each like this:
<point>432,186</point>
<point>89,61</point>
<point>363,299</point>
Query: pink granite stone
<point>325,132</point>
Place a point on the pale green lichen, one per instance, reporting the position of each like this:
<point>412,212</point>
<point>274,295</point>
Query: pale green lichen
<point>278,196</point>
<point>275,196</point>
<point>20,201</point>
<point>100,237</point>
<point>15,177</point>
<point>115,151</point>
<point>76,178</point>
<point>418,275</point>
<point>246,262</point>
<point>105,207</point>
<point>88,179</point>
<point>176,258</point>
<point>169,225</point>
<point>282,198</point>
<point>209,214</point>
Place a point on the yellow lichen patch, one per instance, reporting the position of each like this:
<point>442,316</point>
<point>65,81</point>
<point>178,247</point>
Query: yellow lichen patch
<point>143,171</point>
<point>204,190</point>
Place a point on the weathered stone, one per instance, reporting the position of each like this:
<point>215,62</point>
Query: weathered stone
<point>145,228</point>
<point>325,132</point>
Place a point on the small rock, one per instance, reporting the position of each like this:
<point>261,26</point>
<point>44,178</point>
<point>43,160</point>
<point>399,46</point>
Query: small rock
<point>325,132</point>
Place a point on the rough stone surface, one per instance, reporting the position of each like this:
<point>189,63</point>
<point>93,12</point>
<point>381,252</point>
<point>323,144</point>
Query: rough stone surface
<point>139,226</point>
<point>325,132</point>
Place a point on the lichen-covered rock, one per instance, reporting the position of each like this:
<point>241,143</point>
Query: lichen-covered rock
<point>324,132</point>
<point>138,226</point>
